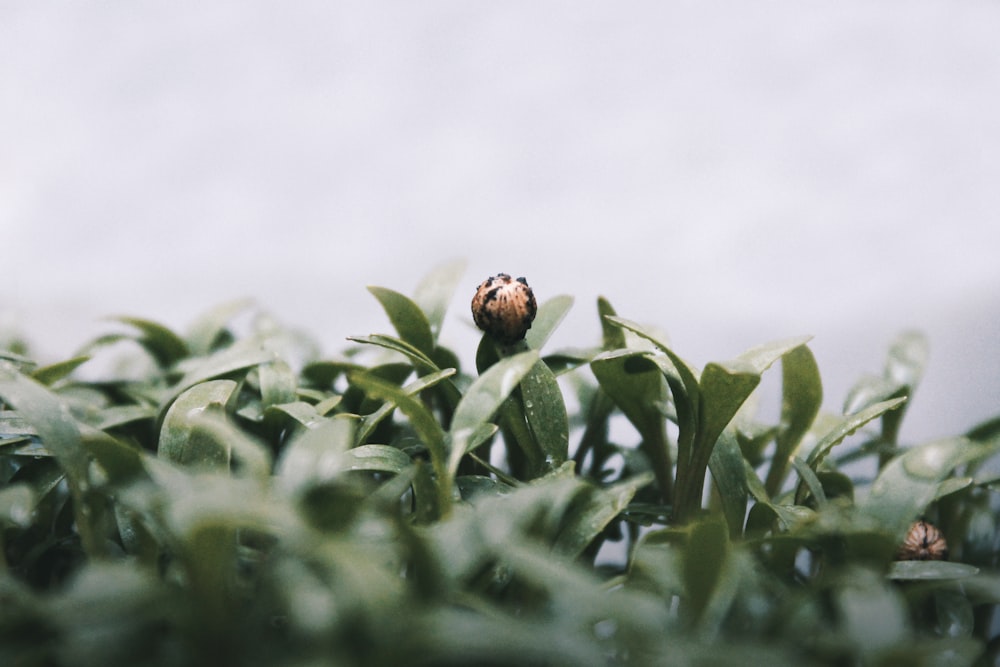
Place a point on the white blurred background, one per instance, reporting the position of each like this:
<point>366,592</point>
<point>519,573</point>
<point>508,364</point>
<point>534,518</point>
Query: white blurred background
<point>730,172</point>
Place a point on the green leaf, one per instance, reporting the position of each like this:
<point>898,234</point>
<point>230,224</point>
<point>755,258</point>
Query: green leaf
<point>586,518</point>
<point>546,413</point>
<point>163,344</point>
<point>183,439</point>
<point>484,397</point>
<point>435,292</point>
<point>300,412</point>
<point>374,458</point>
<point>239,356</point>
<point>705,566</point>
<point>120,415</point>
<point>635,382</point>
<point>210,328</point>
<point>929,570</point>
<point>420,361</point>
<point>729,472</point>
<point>683,383</point>
<point>369,422</point>
<point>407,318</point>
<point>48,417</point>
<point>550,314</point>
<point>277,383</point>
<point>801,399</point>
<point>489,390</point>
<point>421,419</point>
<point>910,481</point>
<point>59,433</point>
<point>845,426</point>
<point>48,375</point>
<point>308,457</point>
<point>613,336</point>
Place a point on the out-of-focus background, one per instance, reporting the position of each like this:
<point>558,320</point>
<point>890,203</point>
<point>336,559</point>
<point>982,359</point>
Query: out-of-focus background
<point>730,172</point>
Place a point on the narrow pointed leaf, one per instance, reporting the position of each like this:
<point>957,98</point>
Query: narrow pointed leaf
<point>845,426</point>
<point>48,375</point>
<point>163,344</point>
<point>407,318</point>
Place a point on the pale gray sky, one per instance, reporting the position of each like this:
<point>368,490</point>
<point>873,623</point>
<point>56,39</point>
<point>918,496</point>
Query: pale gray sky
<point>730,172</point>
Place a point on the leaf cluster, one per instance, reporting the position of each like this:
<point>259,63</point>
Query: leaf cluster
<point>229,495</point>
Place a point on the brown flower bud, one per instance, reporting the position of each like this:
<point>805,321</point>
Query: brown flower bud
<point>504,308</point>
<point>923,542</point>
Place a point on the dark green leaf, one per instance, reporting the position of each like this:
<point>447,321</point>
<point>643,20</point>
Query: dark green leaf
<point>729,471</point>
<point>801,399</point>
<point>163,344</point>
<point>588,517</point>
<point>407,318</point>
<point>546,413</point>
<point>372,420</point>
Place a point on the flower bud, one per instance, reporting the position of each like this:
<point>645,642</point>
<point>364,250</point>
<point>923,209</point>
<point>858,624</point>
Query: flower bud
<point>923,542</point>
<point>504,308</point>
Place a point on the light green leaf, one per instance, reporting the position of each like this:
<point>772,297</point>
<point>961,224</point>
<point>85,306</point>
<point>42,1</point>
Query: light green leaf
<point>182,440</point>
<point>207,331</point>
<point>910,481</point>
<point>435,292</point>
<point>374,458</point>
<point>48,375</point>
<point>310,454</point>
<point>550,314</point>
<point>489,390</point>
<point>277,383</point>
<point>929,570</point>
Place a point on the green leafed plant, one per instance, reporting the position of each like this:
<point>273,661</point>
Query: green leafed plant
<point>243,499</point>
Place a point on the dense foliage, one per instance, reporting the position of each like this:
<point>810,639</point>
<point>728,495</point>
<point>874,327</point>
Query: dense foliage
<point>229,496</point>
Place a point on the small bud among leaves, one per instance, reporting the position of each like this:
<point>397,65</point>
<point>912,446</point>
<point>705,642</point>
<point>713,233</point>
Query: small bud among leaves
<point>923,542</point>
<point>504,308</point>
